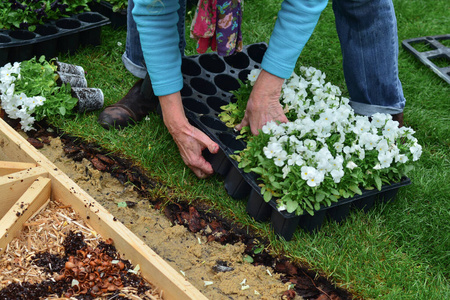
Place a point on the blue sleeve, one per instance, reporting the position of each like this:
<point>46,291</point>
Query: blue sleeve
<point>295,24</point>
<point>156,22</point>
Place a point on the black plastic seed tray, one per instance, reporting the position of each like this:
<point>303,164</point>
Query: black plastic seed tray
<point>431,52</point>
<point>62,35</point>
<point>118,18</point>
<point>208,80</point>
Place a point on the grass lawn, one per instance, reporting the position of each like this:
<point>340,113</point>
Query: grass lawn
<point>399,250</point>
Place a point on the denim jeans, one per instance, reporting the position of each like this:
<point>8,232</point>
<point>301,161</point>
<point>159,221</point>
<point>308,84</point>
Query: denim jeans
<point>133,58</point>
<point>367,31</point>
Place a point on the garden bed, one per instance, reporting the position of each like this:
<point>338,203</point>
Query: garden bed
<point>63,189</point>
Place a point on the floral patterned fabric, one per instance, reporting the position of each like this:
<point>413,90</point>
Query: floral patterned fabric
<point>217,25</point>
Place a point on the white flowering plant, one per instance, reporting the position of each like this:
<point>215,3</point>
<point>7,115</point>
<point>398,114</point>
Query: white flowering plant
<point>29,91</point>
<point>325,152</point>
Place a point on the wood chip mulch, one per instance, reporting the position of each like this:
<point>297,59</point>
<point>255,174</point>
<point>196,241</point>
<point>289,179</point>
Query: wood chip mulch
<point>58,256</point>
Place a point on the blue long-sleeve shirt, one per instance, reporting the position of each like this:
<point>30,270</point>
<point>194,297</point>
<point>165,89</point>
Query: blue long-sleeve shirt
<point>157,25</point>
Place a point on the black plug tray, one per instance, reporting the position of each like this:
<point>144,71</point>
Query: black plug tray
<point>62,35</point>
<point>208,80</point>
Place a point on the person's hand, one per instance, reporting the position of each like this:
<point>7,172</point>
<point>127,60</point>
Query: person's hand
<point>190,140</point>
<point>263,104</point>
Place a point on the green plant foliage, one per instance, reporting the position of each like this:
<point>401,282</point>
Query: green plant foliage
<point>26,14</point>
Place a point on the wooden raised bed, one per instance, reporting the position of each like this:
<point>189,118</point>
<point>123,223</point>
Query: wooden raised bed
<point>28,180</point>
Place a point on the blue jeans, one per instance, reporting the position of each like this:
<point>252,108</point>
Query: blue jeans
<point>133,58</point>
<point>367,31</point>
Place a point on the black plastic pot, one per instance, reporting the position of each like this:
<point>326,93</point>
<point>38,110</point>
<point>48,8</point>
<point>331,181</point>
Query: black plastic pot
<point>63,35</point>
<point>208,82</point>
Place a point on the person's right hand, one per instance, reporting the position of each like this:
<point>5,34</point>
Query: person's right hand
<point>263,104</point>
<point>190,140</point>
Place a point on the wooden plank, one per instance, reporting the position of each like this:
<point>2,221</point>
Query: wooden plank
<point>12,186</point>
<point>8,167</point>
<point>157,271</point>
<point>29,203</point>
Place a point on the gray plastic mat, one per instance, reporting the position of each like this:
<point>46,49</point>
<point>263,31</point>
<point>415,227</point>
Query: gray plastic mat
<point>434,50</point>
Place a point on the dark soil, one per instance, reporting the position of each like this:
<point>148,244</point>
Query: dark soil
<point>308,284</point>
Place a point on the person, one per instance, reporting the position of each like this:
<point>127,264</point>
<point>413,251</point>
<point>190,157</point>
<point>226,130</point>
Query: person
<point>367,33</point>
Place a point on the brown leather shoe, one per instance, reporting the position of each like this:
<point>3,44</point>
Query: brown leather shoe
<point>137,103</point>
<point>398,118</point>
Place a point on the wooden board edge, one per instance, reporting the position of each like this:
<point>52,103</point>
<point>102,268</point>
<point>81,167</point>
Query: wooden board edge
<point>8,167</point>
<point>12,186</point>
<point>153,267</point>
<point>28,204</point>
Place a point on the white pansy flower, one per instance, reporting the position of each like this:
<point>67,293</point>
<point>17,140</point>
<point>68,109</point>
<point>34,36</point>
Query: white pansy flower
<point>253,76</point>
<point>272,150</point>
<point>338,146</point>
<point>368,140</point>
<point>286,169</point>
<point>379,119</point>
<point>382,145</point>
<point>295,159</point>
<point>337,174</point>
<point>416,151</point>
<point>280,158</point>
<point>362,125</point>
<point>390,130</point>
<point>385,159</point>
<point>316,178</point>
<point>310,144</point>
<point>401,158</point>
<point>351,165</point>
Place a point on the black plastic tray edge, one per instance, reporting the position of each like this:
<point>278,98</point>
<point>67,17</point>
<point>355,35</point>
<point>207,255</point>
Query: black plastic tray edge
<point>118,19</point>
<point>424,57</point>
<point>61,31</point>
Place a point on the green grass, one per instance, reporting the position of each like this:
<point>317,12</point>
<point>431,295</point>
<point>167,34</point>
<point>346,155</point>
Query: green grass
<point>399,250</point>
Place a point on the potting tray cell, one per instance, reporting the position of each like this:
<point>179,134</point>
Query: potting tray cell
<point>431,51</point>
<point>208,82</point>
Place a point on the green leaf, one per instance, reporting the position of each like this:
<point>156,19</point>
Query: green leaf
<point>320,197</point>
<point>122,204</point>
<point>248,259</point>
<point>378,182</point>
<point>316,206</point>
<point>355,189</point>
<point>267,196</point>
<point>258,250</point>
<point>291,205</point>
<point>62,110</point>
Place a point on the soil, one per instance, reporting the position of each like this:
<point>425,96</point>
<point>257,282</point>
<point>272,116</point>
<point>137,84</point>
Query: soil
<point>209,251</point>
